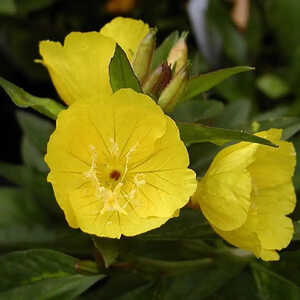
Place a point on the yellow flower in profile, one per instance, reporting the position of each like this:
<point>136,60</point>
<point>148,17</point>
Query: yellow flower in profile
<point>79,68</point>
<point>247,193</point>
<point>118,166</point>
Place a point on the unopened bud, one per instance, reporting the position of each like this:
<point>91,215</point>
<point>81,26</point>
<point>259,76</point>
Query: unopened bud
<point>143,57</point>
<point>179,53</point>
<point>158,80</point>
<point>171,94</point>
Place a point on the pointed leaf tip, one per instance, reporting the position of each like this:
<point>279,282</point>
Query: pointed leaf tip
<point>121,73</point>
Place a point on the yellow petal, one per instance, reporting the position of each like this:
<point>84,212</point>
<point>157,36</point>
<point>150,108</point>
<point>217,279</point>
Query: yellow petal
<point>243,237</point>
<point>110,224</point>
<point>280,200</point>
<point>273,166</point>
<point>225,198</point>
<point>63,201</point>
<point>274,231</point>
<point>128,33</point>
<point>238,156</point>
<point>246,238</point>
<point>166,175</point>
<point>67,158</point>
<point>225,191</point>
<point>269,255</point>
<point>79,68</point>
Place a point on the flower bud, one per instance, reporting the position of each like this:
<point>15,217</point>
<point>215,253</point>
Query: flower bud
<point>158,80</point>
<point>179,53</point>
<point>171,94</point>
<point>143,57</point>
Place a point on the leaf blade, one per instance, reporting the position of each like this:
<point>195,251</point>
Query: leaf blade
<point>272,285</point>
<point>202,83</point>
<point>25,223</point>
<point>42,274</point>
<point>108,248</point>
<point>21,98</point>
<point>121,73</point>
<point>195,133</point>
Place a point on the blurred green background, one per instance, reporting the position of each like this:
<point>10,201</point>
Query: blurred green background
<point>264,34</point>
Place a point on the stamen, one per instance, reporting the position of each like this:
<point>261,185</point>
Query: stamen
<point>114,147</point>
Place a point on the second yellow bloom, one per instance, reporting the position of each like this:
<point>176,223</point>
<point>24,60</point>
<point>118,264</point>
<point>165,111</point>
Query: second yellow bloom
<point>247,193</point>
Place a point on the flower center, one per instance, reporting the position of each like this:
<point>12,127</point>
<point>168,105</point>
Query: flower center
<point>115,174</point>
<point>113,187</point>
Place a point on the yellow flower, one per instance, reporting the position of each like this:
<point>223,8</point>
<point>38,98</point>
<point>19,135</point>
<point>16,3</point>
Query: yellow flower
<point>79,68</point>
<point>247,193</point>
<point>118,166</point>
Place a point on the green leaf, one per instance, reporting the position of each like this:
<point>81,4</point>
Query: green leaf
<point>33,181</point>
<point>273,86</point>
<point>296,236</point>
<point>218,19</point>
<point>196,110</point>
<point>17,207</point>
<point>161,53</point>
<point>273,286</point>
<point>121,282</point>
<point>237,88</point>
<point>36,129</point>
<point>191,224</point>
<point>241,287</point>
<point>200,284</point>
<point>27,6</point>
<point>32,157</point>
<point>195,283</point>
<point>36,132</point>
<point>25,223</point>
<point>108,249</point>
<point>121,73</point>
<point>276,113</point>
<point>288,266</point>
<point>144,292</point>
<point>45,106</point>
<point>8,7</point>
<point>169,268</point>
<point>296,178</point>
<point>21,175</point>
<point>12,7</point>
<point>283,19</point>
<point>235,115</point>
<point>203,83</point>
<point>196,133</point>
<point>201,156</point>
<point>43,275</point>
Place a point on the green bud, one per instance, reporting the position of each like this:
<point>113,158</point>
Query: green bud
<point>143,57</point>
<point>158,80</point>
<point>171,94</point>
<point>179,53</point>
